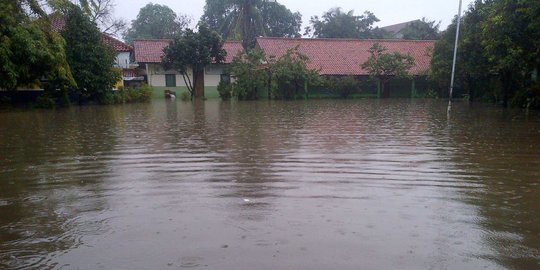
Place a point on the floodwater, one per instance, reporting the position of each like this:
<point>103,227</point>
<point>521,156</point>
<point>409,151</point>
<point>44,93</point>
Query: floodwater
<point>369,184</point>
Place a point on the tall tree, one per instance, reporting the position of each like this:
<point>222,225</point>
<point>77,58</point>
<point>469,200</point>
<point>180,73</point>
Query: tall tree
<point>279,21</point>
<point>91,61</point>
<point>499,55</point>
<point>29,49</point>
<point>100,12</point>
<point>194,50</point>
<point>338,24</point>
<point>247,19</point>
<point>508,42</point>
<point>385,66</point>
<point>156,21</point>
<point>421,30</point>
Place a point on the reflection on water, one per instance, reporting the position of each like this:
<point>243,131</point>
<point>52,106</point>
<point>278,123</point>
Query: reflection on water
<point>270,185</point>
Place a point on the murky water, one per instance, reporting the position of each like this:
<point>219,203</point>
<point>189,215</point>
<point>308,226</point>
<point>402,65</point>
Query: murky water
<point>279,185</point>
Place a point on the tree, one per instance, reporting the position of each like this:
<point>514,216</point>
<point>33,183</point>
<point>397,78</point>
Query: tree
<point>29,49</point>
<point>156,21</point>
<point>509,44</point>
<point>251,77</point>
<point>283,78</point>
<point>279,21</point>
<point>338,24</point>
<point>421,30</point>
<point>100,12</point>
<point>247,19</point>
<point>91,61</point>
<point>291,75</point>
<point>499,52</point>
<point>196,50</point>
<point>384,66</point>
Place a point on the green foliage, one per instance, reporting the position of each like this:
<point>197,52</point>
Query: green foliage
<point>251,77</point>
<point>421,30</point>
<point>247,19</point>
<point>279,21</point>
<point>133,95</point>
<point>338,24</point>
<point>45,101</point>
<point>385,66</point>
<point>290,75</point>
<point>91,61</point>
<point>344,87</point>
<point>195,50</point>
<point>499,50</point>
<point>284,78</point>
<point>156,21</point>
<point>185,96</point>
<point>225,90</point>
<point>99,12</point>
<point>29,49</point>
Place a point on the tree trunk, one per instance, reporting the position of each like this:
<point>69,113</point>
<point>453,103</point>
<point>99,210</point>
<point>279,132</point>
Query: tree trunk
<point>198,83</point>
<point>384,92</point>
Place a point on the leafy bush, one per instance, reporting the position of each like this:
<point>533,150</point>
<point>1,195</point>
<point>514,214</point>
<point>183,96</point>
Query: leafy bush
<point>224,90</point>
<point>132,95</point>
<point>251,78</point>
<point>45,101</point>
<point>185,96</point>
<point>344,87</point>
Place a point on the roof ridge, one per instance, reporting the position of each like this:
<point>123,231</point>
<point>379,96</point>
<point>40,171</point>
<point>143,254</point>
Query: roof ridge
<point>346,39</point>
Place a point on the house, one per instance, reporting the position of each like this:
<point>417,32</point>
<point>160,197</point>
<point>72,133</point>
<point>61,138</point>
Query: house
<point>148,55</point>
<point>344,57</point>
<point>330,57</point>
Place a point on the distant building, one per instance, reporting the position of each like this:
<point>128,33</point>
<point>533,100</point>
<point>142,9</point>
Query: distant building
<point>330,57</point>
<point>344,57</point>
<point>395,29</point>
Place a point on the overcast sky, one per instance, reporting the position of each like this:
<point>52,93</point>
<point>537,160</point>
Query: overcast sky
<point>388,11</point>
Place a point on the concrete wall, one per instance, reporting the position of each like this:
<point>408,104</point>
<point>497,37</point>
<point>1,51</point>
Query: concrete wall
<point>156,79</point>
<point>123,60</point>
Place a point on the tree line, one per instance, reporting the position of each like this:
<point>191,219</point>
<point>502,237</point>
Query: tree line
<point>67,63</point>
<point>246,20</point>
<point>498,56</point>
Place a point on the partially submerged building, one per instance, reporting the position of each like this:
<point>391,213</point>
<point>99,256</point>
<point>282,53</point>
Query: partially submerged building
<point>344,57</point>
<point>330,57</point>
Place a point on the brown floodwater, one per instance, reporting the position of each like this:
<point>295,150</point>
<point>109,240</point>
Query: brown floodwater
<point>395,184</point>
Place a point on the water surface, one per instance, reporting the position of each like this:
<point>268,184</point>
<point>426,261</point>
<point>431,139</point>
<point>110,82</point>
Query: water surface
<point>270,185</point>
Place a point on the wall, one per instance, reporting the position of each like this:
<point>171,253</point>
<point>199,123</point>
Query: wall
<point>156,76</point>
<point>123,60</point>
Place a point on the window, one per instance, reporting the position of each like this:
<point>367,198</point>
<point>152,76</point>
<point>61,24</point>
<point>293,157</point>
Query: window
<point>214,69</point>
<point>170,80</point>
<point>225,78</point>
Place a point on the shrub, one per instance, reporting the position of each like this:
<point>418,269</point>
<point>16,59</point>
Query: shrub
<point>224,90</point>
<point>45,101</point>
<point>132,95</point>
<point>344,87</point>
<point>185,96</point>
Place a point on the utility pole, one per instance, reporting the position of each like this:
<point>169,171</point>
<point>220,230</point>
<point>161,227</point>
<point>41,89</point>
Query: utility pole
<point>455,57</point>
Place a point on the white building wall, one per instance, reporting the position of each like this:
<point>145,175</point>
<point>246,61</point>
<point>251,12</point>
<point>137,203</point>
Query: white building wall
<point>122,60</point>
<point>212,76</point>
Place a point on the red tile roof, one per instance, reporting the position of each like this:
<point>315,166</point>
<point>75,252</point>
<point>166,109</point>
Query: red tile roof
<point>233,48</point>
<point>345,56</point>
<point>151,50</point>
<point>118,45</point>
